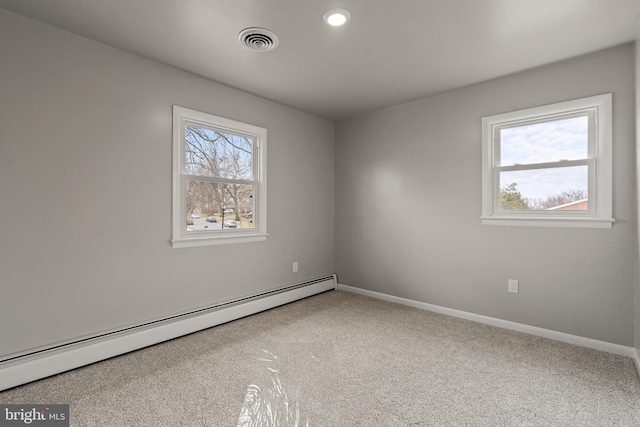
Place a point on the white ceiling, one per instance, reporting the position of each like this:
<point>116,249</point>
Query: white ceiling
<point>389,53</point>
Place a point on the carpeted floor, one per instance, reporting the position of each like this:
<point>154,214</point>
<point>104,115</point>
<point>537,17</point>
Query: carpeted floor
<point>340,359</point>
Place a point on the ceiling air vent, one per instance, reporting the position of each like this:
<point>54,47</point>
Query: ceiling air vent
<point>259,39</point>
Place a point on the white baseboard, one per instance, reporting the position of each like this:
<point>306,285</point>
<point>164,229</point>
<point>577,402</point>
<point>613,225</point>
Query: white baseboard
<point>27,368</point>
<point>505,324</point>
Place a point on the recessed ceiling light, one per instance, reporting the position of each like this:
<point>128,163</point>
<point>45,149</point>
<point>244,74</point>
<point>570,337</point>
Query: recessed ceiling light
<point>336,17</point>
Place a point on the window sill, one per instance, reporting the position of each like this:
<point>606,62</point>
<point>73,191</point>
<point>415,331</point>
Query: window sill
<point>569,222</point>
<point>190,242</point>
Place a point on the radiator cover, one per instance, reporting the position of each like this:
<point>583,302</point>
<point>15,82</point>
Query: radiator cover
<point>39,363</point>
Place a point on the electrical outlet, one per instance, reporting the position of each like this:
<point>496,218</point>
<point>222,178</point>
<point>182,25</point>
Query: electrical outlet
<point>512,286</point>
<point>295,266</point>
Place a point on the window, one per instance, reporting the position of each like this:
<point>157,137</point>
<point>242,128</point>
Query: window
<point>219,180</point>
<point>549,165</point>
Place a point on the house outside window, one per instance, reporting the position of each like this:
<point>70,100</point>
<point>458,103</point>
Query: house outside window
<point>549,165</point>
<point>219,180</point>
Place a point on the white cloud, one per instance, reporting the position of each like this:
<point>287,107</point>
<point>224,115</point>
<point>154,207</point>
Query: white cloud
<point>565,139</point>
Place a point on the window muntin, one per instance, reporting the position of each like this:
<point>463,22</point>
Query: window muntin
<point>219,180</point>
<point>550,164</point>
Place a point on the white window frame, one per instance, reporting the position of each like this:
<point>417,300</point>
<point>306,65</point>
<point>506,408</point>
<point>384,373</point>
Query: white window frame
<point>180,237</point>
<point>599,163</point>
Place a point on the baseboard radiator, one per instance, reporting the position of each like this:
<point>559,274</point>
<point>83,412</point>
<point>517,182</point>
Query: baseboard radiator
<point>39,363</point>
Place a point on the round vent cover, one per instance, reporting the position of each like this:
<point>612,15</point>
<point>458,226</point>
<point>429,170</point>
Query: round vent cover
<point>259,39</point>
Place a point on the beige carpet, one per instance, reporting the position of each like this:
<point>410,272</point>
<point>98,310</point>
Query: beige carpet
<point>339,359</point>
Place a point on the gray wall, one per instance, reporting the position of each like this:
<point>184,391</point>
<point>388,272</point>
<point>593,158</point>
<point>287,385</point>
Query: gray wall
<point>85,185</point>
<point>408,206</point>
<point>637,110</point>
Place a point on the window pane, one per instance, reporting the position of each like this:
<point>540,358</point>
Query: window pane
<point>213,206</point>
<point>565,139</point>
<point>545,189</point>
<point>217,154</point>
